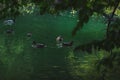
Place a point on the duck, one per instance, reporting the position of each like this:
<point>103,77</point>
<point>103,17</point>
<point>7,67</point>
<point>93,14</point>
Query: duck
<point>67,44</point>
<point>38,45</point>
<point>9,22</point>
<point>59,39</point>
<point>9,31</point>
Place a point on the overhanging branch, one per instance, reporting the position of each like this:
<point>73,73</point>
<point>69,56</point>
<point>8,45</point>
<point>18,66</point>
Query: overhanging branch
<point>109,21</point>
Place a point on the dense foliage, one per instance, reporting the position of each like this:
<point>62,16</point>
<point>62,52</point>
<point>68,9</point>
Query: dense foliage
<point>85,8</point>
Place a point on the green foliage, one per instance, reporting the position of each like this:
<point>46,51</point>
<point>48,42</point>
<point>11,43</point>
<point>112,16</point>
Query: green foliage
<point>28,9</point>
<point>96,66</point>
<point>109,10</point>
<point>85,8</point>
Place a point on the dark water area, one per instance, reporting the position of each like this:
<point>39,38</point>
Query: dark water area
<point>19,61</point>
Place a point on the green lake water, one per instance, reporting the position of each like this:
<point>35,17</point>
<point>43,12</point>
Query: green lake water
<point>19,61</point>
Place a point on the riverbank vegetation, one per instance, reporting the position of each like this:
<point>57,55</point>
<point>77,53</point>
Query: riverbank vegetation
<point>97,65</point>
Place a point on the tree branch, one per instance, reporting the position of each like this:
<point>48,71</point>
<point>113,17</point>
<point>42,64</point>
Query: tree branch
<point>109,21</point>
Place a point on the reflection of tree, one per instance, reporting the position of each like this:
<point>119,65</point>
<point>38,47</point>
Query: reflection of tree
<point>98,65</point>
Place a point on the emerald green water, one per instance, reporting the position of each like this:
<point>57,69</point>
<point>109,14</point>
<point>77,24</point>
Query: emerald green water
<point>19,61</point>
